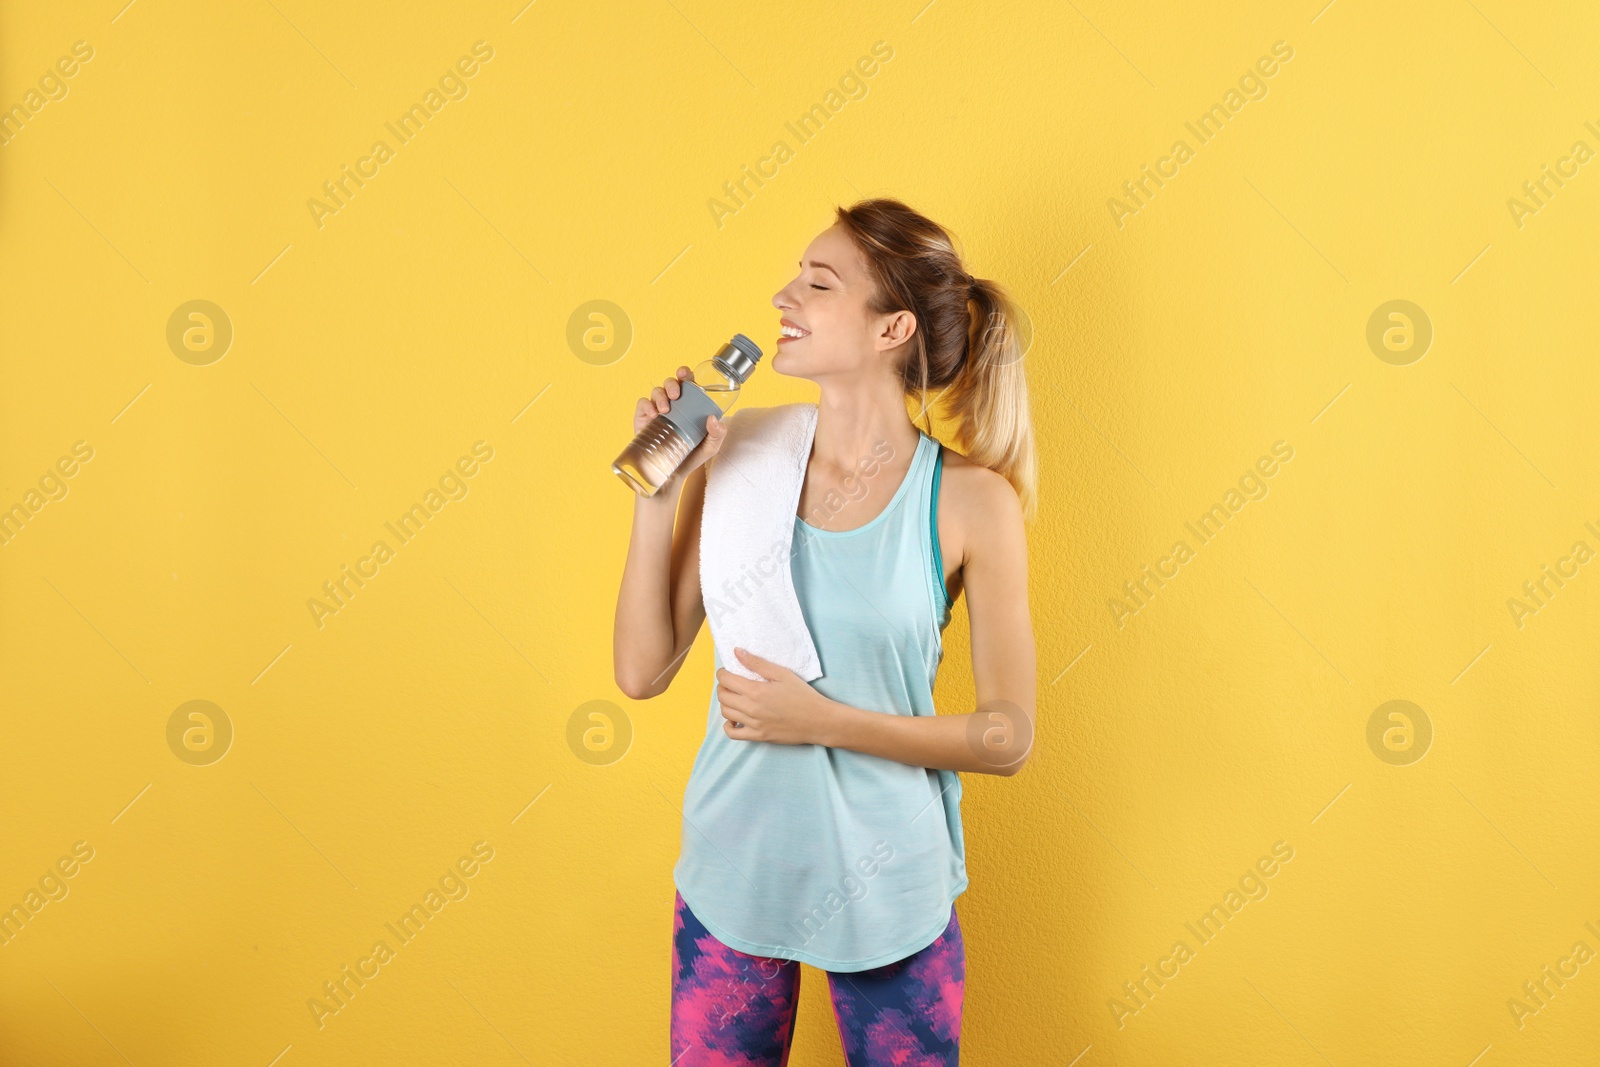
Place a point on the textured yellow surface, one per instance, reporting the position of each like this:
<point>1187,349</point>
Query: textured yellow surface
<point>426,738</point>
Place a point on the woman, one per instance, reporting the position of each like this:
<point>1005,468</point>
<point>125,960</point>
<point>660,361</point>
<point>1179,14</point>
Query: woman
<point>822,821</point>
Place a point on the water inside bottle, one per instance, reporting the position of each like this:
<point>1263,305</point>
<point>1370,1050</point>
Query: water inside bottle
<point>721,391</point>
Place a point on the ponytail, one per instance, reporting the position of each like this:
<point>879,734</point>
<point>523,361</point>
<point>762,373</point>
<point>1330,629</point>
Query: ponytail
<point>967,343</point>
<point>989,398</point>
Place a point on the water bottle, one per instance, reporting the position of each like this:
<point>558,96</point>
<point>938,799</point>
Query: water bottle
<point>660,448</point>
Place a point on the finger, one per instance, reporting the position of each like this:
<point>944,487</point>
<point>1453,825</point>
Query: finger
<point>767,669</point>
<point>658,397</point>
<point>712,445</point>
<point>735,684</point>
<point>673,388</point>
<point>686,372</point>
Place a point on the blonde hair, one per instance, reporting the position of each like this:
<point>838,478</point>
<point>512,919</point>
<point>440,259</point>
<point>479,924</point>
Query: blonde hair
<point>967,342</point>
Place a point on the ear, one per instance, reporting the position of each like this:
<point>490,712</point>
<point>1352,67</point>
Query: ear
<point>897,330</point>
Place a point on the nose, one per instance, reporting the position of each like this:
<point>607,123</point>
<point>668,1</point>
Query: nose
<point>784,299</point>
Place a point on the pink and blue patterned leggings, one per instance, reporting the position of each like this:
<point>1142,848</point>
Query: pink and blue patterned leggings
<point>730,1009</point>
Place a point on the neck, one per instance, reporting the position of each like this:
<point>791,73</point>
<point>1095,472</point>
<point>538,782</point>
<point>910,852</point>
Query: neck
<point>854,420</point>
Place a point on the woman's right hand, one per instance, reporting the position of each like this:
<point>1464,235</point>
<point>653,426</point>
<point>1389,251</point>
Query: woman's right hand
<point>659,400</point>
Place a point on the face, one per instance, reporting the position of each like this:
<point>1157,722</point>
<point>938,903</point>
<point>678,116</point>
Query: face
<point>827,303</point>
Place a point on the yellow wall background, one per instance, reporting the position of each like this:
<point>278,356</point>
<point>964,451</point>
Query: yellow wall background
<point>373,346</point>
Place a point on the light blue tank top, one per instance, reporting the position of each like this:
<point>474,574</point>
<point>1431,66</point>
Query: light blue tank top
<point>832,857</point>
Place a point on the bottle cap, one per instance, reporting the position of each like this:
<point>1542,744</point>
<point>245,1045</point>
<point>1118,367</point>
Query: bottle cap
<point>739,357</point>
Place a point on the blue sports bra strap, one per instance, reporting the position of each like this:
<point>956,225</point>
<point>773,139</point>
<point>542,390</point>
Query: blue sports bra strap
<point>933,524</point>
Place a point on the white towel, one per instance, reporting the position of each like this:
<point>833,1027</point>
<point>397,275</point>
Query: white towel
<point>753,489</point>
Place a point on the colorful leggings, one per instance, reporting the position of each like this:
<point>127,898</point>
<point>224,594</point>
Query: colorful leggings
<point>730,1009</point>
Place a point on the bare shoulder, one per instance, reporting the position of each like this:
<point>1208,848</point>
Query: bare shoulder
<point>978,508</point>
<point>977,491</point>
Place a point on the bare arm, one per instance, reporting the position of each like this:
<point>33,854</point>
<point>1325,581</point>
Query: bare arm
<point>659,608</point>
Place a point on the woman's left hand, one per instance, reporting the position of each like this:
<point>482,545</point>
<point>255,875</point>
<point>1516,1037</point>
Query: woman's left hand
<point>781,707</point>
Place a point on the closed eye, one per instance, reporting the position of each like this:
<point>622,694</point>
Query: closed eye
<point>814,285</point>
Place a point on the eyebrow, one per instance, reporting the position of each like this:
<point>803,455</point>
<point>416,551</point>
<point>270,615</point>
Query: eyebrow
<point>824,266</point>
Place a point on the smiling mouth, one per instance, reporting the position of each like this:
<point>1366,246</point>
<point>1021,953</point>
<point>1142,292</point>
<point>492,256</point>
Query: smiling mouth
<point>791,333</point>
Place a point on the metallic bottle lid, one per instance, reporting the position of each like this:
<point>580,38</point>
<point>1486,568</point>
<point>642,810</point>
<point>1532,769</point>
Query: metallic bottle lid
<point>738,357</point>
